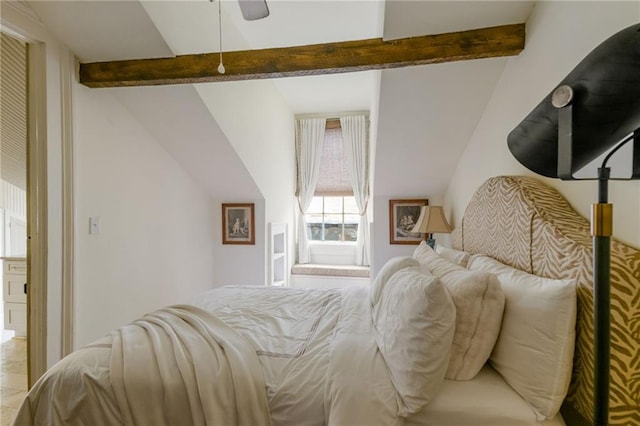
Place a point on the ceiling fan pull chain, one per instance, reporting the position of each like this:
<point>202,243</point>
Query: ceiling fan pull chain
<point>221,69</point>
<point>221,66</point>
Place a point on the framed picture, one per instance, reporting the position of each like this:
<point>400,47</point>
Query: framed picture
<point>238,223</point>
<point>403,215</point>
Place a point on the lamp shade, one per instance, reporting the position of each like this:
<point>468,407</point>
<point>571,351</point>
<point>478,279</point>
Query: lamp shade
<point>432,221</point>
<point>606,108</point>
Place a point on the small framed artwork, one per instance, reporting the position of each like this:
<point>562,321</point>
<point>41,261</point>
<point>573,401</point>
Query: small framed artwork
<point>403,215</point>
<point>238,223</point>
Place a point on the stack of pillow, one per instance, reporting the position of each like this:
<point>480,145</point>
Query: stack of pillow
<point>462,311</point>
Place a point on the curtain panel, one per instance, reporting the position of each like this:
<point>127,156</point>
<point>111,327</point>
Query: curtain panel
<point>309,142</point>
<point>355,136</point>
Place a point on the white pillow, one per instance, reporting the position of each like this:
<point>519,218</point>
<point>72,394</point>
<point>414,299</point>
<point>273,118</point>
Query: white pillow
<point>479,303</point>
<point>394,264</point>
<point>414,321</point>
<point>452,255</point>
<point>534,352</point>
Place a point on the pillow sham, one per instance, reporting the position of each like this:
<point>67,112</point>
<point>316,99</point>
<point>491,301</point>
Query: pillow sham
<point>414,322</point>
<point>452,255</point>
<point>479,303</point>
<point>394,264</point>
<point>534,352</point>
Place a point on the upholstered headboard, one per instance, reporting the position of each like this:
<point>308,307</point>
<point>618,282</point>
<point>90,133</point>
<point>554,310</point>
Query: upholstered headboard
<point>527,224</point>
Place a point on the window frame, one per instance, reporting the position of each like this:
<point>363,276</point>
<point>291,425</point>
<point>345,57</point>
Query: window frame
<point>323,223</point>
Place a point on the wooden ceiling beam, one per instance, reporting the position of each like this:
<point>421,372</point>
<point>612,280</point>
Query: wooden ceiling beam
<point>327,58</point>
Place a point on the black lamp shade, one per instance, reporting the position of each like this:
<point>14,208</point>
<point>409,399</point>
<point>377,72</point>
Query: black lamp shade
<point>606,108</point>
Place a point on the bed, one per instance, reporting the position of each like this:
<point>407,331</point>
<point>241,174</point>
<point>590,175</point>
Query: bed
<point>494,331</point>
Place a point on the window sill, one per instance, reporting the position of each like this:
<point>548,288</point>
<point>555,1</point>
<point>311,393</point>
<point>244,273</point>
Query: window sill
<point>351,271</point>
<point>332,243</point>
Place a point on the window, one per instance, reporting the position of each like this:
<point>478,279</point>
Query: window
<point>333,218</point>
<point>335,230</point>
<point>333,214</point>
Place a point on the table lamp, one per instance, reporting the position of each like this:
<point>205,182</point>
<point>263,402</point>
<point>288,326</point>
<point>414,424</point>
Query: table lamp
<point>431,221</point>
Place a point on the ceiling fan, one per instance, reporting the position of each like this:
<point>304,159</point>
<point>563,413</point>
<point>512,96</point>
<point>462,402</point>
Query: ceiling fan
<point>253,10</point>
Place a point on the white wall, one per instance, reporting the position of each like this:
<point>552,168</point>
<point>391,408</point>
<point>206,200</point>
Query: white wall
<point>156,244</point>
<point>260,127</point>
<point>255,122</point>
<point>415,151</point>
<point>240,264</point>
<point>420,135</point>
<point>559,35</point>
<point>180,122</point>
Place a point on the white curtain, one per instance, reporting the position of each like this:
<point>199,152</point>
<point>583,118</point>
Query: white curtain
<point>356,149</point>
<point>309,140</point>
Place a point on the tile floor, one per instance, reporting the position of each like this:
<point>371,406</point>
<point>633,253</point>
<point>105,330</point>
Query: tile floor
<point>13,376</point>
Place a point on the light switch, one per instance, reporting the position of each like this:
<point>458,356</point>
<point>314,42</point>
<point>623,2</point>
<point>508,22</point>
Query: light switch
<point>94,225</point>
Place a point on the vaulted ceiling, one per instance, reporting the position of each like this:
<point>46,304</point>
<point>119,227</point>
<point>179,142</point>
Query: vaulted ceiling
<point>430,109</point>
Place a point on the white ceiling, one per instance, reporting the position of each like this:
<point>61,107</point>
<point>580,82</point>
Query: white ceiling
<point>112,30</point>
<point>118,30</point>
<point>409,18</point>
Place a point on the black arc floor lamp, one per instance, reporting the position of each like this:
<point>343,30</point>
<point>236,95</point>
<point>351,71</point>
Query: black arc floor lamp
<point>595,109</point>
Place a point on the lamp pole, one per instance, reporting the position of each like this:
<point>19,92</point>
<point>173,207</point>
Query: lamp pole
<point>601,229</point>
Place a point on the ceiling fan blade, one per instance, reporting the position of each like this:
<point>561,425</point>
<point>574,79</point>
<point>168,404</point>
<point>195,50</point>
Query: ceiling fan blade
<point>254,9</point>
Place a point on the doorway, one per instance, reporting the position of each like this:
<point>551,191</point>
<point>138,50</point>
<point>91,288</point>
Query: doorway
<point>49,85</point>
<point>13,221</point>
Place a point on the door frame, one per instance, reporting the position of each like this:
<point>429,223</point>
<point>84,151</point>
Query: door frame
<point>68,71</point>
<point>37,212</point>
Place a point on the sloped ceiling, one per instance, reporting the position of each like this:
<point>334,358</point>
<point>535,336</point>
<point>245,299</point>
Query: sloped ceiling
<point>102,30</point>
<point>192,27</point>
<point>409,18</point>
<point>428,113</point>
<point>426,116</point>
<point>194,140</point>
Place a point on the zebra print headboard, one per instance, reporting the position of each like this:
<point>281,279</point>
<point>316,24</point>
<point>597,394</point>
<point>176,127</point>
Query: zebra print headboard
<point>527,224</point>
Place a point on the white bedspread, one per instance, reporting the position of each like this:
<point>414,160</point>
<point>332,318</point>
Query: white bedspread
<point>320,360</point>
<point>309,354</point>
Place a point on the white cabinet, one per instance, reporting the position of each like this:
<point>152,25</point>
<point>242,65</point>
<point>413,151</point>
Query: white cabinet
<point>14,296</point>
<point>278,275</point>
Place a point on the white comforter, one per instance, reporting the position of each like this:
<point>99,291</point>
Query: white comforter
<point>318,352</point>
<point>310,355</point>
